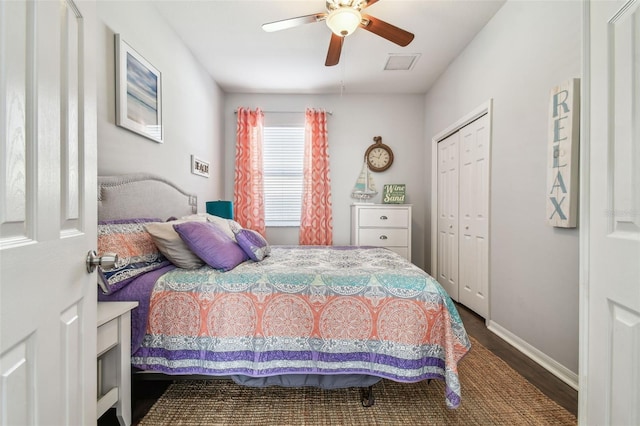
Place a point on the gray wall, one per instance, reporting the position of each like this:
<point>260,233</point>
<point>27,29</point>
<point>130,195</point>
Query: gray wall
<point>192,103</point>
<point>525,50</point>
<point>356,119</point>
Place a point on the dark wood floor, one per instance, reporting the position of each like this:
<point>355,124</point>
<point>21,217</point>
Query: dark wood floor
<point>145,393</point>
<point>557,390</point>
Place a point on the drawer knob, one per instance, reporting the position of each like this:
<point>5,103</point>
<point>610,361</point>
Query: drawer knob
<point>383,237</point>
<point>383,217</point>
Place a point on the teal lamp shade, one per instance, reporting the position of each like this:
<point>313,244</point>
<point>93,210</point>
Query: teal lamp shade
<point>220,208</point>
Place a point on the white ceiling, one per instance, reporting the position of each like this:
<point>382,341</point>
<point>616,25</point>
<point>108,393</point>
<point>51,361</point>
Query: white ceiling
<point>227,38</point>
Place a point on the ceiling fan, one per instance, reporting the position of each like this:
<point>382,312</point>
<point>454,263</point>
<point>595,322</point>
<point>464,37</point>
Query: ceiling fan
<point>343,17</point>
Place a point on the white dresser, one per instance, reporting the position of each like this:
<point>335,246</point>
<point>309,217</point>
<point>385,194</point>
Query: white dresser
<point>382,225</point>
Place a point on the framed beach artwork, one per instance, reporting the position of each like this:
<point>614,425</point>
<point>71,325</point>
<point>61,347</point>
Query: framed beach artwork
<point>138,93</point>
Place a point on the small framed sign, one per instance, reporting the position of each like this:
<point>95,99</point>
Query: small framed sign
<point>199,167</point>
<point>394,193</point>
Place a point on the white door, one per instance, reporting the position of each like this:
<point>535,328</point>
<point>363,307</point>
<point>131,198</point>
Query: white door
<point>474,216</point>
<point>47,213</point>
<point>610,218</point>
<point>448,160</point>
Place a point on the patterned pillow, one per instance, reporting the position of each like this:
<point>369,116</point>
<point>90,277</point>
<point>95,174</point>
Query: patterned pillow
<point>211,244</point>
<point>254,244</point>
<point>171,245</point>
<point>137,253</point>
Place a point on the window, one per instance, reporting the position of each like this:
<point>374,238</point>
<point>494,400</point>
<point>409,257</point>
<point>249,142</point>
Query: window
<point>283,151</point>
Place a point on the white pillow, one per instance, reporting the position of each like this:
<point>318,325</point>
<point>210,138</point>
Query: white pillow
<point>198,217</point>
<point>228,226</point>
<point>171,245</point>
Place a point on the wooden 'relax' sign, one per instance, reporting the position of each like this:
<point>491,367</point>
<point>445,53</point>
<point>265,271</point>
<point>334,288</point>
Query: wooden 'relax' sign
<point>564,139</point>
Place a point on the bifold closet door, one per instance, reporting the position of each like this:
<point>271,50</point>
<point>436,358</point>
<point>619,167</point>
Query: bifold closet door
<point>448,165</point>
<point>463,215</point>
<point>473,242</point>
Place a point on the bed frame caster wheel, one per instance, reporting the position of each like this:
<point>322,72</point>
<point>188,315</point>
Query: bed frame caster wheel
<point>367,397</point>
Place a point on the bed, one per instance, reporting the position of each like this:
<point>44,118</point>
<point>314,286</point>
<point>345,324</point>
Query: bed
<point>328,317</point>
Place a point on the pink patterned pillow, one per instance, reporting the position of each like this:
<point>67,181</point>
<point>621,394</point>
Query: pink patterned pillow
<point>211,244</point>
<point>137,253</point>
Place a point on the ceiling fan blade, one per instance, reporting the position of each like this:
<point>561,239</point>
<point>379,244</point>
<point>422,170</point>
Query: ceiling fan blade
<point>293,22</point>
<point>386,30</point>
<point>370,2</point>
<point>335,48</point>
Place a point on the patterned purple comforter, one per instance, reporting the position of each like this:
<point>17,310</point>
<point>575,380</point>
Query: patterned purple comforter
<point>319,311</point>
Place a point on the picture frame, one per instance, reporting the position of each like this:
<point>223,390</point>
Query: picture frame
<point>138,93</point>
<point>394,193</point>
<point>199,167</point>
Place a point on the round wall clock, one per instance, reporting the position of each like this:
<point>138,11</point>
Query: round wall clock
<point>379,156</point>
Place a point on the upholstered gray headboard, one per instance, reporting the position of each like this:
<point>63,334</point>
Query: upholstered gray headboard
<point>142,195</point>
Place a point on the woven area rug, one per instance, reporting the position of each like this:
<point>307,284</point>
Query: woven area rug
<point>492,394</point>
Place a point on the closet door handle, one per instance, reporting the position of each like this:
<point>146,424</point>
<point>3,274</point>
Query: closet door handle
<point>383,217</point>
<point>383,237</point>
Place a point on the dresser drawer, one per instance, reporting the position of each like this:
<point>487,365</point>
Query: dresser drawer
<point>402,251</point>
<point>384,217</point>
<point>383,237</point>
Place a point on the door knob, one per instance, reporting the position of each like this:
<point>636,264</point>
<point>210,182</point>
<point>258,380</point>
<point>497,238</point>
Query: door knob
<point>106,261</point>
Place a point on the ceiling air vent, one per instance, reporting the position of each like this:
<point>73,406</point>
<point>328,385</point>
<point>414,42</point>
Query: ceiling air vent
<point>401,62</point>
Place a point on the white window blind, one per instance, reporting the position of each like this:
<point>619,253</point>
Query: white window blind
<point>283,152</point>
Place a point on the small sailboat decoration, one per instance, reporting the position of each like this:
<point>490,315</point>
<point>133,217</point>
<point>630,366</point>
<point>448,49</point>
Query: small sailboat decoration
<point>365,188</point>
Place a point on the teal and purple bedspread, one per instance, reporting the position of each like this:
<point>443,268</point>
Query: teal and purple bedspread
<point>306,310</point>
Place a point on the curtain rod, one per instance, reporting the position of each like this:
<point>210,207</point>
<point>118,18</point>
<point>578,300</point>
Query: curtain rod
<point>285,112</point>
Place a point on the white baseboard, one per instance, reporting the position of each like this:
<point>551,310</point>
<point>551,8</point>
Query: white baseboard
<point>548,363</point>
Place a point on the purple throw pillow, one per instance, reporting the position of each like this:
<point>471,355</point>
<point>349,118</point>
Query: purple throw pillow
<point>211,244</point>
<point>253,244</point>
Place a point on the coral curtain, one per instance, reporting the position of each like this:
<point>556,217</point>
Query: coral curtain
<point>316,221</point>
<point>248,194</point>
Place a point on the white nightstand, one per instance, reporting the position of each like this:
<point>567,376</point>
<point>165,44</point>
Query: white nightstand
<point>114,359</point>
<point>382,225</point>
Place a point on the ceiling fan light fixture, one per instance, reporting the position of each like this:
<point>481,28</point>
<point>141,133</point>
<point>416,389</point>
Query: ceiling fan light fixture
<point>343,21</point>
